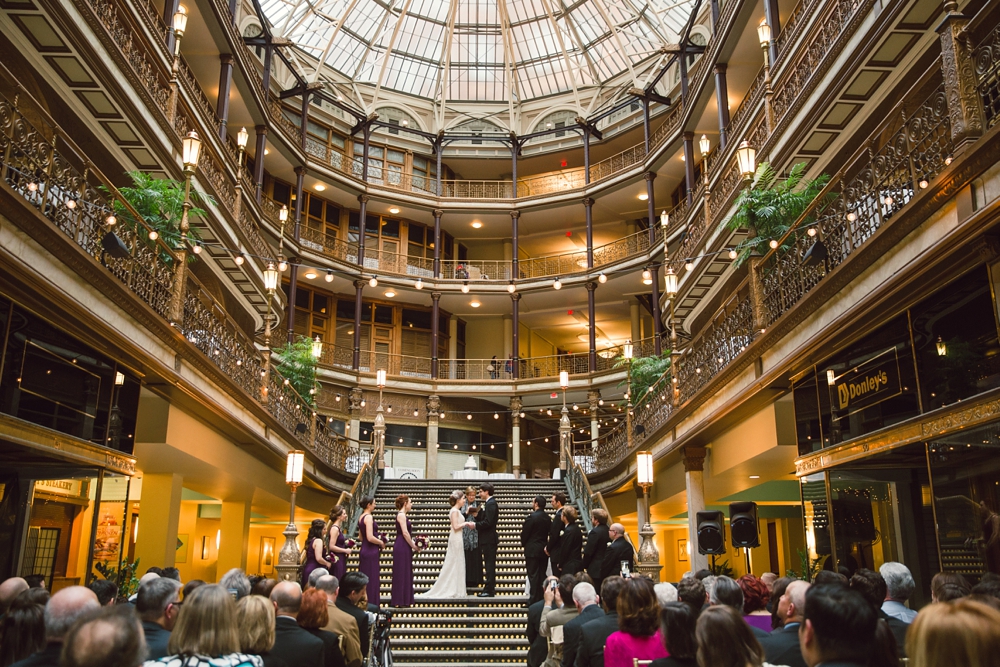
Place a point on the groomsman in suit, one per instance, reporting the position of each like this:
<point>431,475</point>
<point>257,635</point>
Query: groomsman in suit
<point>555,531</point>
<point>597,546</point>
<point>619,550</point>
<point>534,535</point>
<point>486,525</point>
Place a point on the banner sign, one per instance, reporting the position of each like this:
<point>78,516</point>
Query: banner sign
<point>868,384</point>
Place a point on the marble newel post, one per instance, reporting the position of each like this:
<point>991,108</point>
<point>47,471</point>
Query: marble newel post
<point>694,465</point>
<point>594,404</point>
<point>515,435</point>
<point>648,556</point>
<point>433,415</point>
<point>565,440</point>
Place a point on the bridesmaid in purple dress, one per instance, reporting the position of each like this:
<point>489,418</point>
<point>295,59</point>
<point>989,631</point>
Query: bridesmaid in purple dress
<point>337,543</point>
<point>402,556</point>
<point>368,562</point>
<point>315,556</point>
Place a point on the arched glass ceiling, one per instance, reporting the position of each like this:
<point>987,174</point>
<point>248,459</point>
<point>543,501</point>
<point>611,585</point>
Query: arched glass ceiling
<point>482,50</point>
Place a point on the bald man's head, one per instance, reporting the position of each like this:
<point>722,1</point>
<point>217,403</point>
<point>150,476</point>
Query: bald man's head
<point>287,597</point>
<point>113,638</point>
<point>615,531</point>
<point>792,605</point>
<point>9,590</point>
<point>65,608</point>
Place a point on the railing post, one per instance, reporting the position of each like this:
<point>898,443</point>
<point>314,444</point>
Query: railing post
<point>757,294</point>
<point>958,71</point>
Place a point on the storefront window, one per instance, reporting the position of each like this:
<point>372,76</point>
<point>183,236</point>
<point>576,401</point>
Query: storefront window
<point>955,337</point>
<point>965,470</point>
<point>807,417</point>
<point>816,516</point>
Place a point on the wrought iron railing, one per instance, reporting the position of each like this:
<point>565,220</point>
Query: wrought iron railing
<point>364,485</point>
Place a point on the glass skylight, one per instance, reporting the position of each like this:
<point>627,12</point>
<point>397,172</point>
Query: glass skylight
<point>482,50</point>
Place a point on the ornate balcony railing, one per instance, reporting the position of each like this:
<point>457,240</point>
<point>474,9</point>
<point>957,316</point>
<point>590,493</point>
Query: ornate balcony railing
<point>986,58</point>
<point>40,163</point>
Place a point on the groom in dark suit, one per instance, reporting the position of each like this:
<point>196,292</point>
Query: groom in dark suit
<point>486,525</point>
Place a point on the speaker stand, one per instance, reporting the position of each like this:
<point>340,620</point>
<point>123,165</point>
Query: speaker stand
<point>713,563</point>
<point>746,550</point>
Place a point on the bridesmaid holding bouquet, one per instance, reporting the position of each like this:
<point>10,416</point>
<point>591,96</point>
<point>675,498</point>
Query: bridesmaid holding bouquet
<point>371,544</point>
<point>337,542</point>
<point>402,555</point>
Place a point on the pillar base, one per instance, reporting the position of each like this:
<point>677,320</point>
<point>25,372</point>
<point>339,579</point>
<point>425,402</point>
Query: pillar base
<point>287,568</point>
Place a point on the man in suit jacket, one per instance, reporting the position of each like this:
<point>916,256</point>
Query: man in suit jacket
<point>555,531</point>
<point>341,623</point>
<point>486,526</point>
<point>64,608</point>
<point>781,647</point>
<point>293,645</point>
<point>534,535</point>
<point>158,603</point>
<point>619,550</point>
<point>838,627</point>
<point>585,599</point>
<point>597,546</point>
<point>595,633</point>
<point>352,590</point>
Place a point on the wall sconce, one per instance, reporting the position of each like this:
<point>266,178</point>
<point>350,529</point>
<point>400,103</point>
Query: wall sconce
<point>942,347</point>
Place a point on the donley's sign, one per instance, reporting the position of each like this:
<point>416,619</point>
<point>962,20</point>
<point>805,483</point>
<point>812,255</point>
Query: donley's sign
<point>867,384</point>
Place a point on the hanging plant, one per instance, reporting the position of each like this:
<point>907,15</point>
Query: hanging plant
<point>770,206</point>
<point>645,372</point>
<point>160,202</point>
<point>296,363</point>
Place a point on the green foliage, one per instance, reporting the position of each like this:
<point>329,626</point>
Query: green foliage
<point>770,207</point>
<point>126,579</point>
<point>644,373</point>
<point>160,202</point>
<point>722,569</point>
<point>807,570</point>
<point>297,364</point>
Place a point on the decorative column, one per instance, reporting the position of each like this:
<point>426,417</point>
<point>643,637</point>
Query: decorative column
<point>588,210</point>
<point>354,398</point>
<point>722,101</point>
<point>773,20</point>
<point>694,466</point>
<point>648,555</point>
<point>362,215</point>
<point>293,281</point>
<point>714,8</point>
<point>169,9</point>
<point>437,241</point>
<point>378,437</point>
<point>565,440</point>
<point>689,184</point>
<point>515,369</point>
<point>594,404</point>
<point>651,212</point>
<point>591,327</point>
<point>508,337</point>
<point>958,71</point>
<point>513,165</point>
<point>453,348</point>
<point>433,416</point>
<point>757,294</point>
<point>435,333</point>
<point>359,286</point>
<point>300,174</point>
<point>515,434</point>
<point>514,270</point>
<point>633,311</point>
<point>645,129</point>
<point>225,84</point>
<point>258,160</point>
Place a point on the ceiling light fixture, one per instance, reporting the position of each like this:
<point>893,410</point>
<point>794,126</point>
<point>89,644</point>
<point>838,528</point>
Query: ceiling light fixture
<point>329,276</point>
<point>475,304</point>
<point>394,210</point>
<point>319,187</point>
<point>476,224</point>
<point>310,273</point>
<point>643,197</point>
<point>389,294</point>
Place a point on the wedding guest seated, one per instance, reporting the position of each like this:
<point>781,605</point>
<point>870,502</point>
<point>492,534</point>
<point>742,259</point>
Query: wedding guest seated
<point>106,591</point>
<point>205,633</point>
<point>10,589</point>
<point>585,599</point>
<point>158,603</point>
<point>537,643</point>
<point>872,588</point>
<point>293,646</point>
<point>988,589</point>
<point>236,582</point>
<point>691,591</point>
<point>838,627</point>
<point>947,586</point>
<point>263,587</point>
<point>781,647</point>
<point>315,575</point>
<point>190,587</point>
<point>677,626</point>
<point>340,622</point>
<point>112,638</point>
<point>638,636</point>
<point>65,608</point>
<point>171,573</point>
<point>827,577</point>
<point>557,610</point>
<point>255,625</point>
<point>725,639</point>
<point>352,592</point>
<point>963,632</point>
<point>755,597</point>
<point>777,590</point>
<point>22,631</point>
<point>595,633</point>
<point>727,592</point>
<point>313,617</point>
<point>899,586</point>
<point>665,592</point>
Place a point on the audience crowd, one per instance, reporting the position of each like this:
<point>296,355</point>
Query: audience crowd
<point>714,621</point>
<point>703,621</point>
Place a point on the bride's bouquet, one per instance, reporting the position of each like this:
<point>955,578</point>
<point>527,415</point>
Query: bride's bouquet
<point>421,542</point>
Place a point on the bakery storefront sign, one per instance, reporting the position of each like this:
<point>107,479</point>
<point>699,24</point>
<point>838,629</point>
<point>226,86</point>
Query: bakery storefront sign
<point>865,385</point>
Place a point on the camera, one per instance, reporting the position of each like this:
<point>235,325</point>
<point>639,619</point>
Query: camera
<point>625,571</point>
<point>554,585</point>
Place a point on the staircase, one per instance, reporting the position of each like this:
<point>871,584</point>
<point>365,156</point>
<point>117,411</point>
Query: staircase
<point>464,632</point>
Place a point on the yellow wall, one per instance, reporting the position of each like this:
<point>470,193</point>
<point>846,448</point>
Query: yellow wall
<point>484,338</point>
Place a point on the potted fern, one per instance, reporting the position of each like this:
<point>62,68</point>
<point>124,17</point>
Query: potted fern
<point>297,364</point>
<point>644,373</point>
<point>770,206</point>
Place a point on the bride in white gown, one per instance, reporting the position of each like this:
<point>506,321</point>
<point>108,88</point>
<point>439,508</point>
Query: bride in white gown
<point>451,580</point>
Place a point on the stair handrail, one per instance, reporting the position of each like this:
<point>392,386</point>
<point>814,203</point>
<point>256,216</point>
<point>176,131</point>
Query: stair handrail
<point>364,485</point>
<point>584,498</point>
